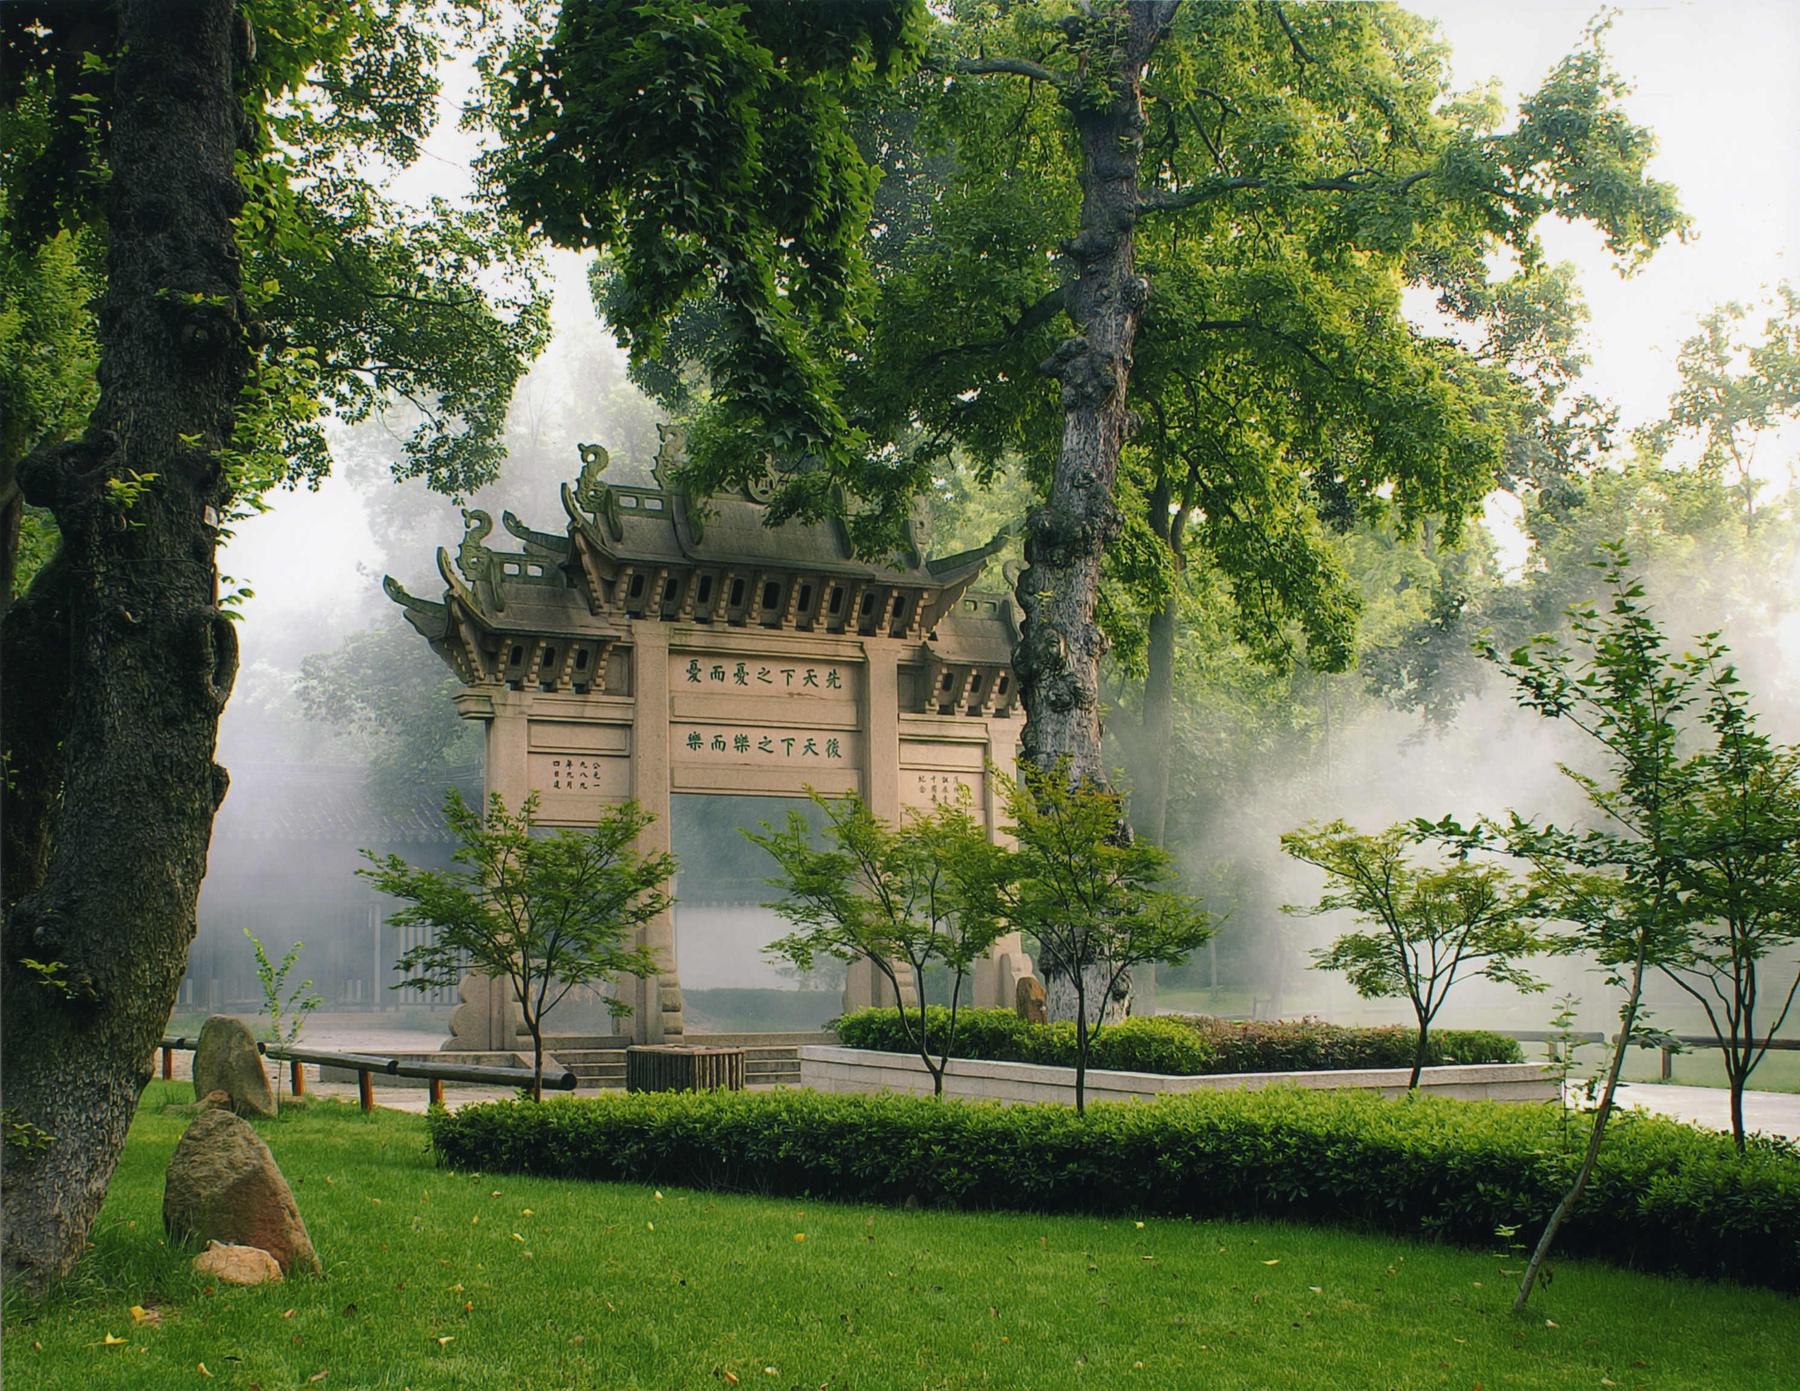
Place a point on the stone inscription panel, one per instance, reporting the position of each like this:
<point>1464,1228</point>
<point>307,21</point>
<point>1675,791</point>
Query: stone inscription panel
<point>573,737</point>
<point>933,774</point>
<point>719,674</point>
<point>572,787</point>
<point>794,745</point>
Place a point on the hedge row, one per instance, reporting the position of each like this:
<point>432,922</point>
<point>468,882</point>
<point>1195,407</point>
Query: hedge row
<point>1184,1045</point>
<point>1664,1197</point>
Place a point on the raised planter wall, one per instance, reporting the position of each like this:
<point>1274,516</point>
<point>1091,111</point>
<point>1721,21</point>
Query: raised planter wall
<point>833,1069</point>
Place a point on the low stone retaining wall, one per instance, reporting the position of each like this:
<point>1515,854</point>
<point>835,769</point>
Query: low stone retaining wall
<point>831,1069</point>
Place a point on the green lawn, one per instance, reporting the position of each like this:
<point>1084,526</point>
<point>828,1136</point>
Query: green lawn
<point>438,1280</point>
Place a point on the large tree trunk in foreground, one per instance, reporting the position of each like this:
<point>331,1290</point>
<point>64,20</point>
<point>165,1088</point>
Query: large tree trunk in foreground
<point>128,616</point>
<point>1060,643</point>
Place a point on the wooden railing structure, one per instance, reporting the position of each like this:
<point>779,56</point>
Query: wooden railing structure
<point>1677,1043</point>
<point>367,1065</point>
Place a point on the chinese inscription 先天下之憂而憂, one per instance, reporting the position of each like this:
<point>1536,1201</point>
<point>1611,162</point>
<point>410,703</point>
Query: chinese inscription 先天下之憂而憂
<point>752,674</point>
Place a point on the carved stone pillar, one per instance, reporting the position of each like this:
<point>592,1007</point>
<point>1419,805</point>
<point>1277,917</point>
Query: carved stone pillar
<point>656,1000</point>
<point>487,1020</point>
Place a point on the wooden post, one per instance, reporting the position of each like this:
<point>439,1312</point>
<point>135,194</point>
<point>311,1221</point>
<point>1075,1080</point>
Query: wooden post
<point>365,1085</point>
<point>297,1072</point>
<point>168,1064</point>
<point>437,1091</point>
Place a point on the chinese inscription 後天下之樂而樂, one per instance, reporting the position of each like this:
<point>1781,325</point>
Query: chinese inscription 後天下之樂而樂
<point>763,743</point>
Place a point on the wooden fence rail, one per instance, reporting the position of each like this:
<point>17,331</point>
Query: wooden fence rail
<point>367,1065</point>
<point>1677,1043</point>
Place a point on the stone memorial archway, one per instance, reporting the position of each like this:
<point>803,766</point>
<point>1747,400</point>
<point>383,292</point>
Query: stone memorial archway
<point>656,646</point>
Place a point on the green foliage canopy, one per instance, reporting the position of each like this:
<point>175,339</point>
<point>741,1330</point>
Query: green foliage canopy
<point>357,299</point>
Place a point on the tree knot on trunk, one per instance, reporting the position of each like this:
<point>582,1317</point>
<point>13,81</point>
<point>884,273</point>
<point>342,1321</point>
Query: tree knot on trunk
<point>206,329</point>
<point>217,642</point>
<point>56,475</point>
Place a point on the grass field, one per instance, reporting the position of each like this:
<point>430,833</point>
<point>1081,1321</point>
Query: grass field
<point>440,1280</point>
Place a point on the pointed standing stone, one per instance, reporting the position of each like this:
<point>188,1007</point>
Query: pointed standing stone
<point>226,1060</point>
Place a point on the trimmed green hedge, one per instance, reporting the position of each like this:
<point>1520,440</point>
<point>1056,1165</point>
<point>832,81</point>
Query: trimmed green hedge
<point>1665,1196</point>
<point>1184,1045</point>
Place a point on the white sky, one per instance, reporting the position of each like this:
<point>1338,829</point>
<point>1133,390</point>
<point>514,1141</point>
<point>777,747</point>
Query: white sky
<point>1717,80</point>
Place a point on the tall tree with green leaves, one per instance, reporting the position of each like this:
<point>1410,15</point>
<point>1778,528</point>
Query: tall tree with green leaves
<point>1085,150</point>
<point>1733,390</point>
<point>218,158</point>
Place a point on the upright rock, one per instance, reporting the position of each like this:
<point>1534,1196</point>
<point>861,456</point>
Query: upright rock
<point>226,1060</point>
<point>1028,1000</point>
<point>223,1185</point>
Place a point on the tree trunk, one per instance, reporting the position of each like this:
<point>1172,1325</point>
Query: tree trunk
<point>1412,1083</point>
<point>135,630</point>
<point>1081,1061</point>
<point>537,1059</point>
<point>1060,643</point>
<point>1738,1063</point>
<point>1627,1022</point>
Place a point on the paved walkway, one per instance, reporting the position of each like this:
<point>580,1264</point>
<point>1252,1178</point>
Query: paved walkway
<point>1773,1113</point>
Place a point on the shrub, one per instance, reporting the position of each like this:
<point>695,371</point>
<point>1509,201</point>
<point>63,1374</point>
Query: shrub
<point>1664,1197</point>
<point>1187,1045</point>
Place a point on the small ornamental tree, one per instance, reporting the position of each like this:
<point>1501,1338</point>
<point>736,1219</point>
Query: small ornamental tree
<point>1426,928</point>
<point>1738,864</point>
<point>280,1003</point>
<point>902,898</point>
<point>544,912</point>
<point>1095,900</point>
<point>1616,883</point>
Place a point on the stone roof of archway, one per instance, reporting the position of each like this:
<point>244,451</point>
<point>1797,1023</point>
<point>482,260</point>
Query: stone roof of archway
<point>575,583</point>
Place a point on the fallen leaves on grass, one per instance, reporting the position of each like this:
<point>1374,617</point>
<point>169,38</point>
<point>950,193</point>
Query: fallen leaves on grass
<point>109,1341</point>
<point>202,1370</point>
<point>139,1314</point>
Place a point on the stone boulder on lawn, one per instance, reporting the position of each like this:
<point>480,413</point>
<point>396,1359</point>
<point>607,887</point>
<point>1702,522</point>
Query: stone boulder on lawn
<point>223,1185</point>
<point>226,1060</point>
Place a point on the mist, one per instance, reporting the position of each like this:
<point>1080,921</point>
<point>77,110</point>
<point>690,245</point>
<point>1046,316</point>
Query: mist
<point>1381,765</point>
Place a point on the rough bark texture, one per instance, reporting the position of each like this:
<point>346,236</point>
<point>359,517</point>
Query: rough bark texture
<point>1060,643</point>
<point>129,620</point>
